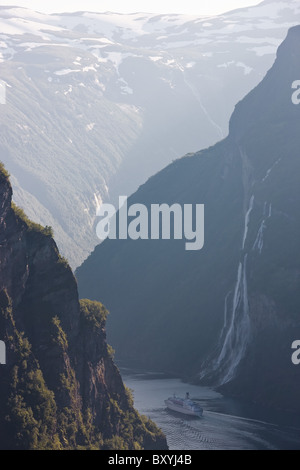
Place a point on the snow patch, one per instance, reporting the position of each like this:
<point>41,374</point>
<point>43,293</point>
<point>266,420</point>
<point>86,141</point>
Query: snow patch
<point>90,127</point>
<point>118,57</point>
<point>264,50</point>
<point>66,72</point>
<point>90,68</point>
<point>247,69</point>
<point>70,89</point>
<point>126,90</point>
<point>226,64</point>
<point>155,58</point>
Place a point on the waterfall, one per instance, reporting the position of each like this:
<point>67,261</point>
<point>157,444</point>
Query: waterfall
<point>225,314</point>
<point>234,337</point>
<point>259,241</point>
<point>247,218</point>
<point>236,340</point>
<point>223,363</point>
<point>235,334</point>
<point>270,170</point>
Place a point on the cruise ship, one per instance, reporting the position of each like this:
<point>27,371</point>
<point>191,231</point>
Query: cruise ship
<point>185,406</point>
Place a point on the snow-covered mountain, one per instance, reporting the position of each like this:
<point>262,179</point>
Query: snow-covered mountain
<point>97,103</point>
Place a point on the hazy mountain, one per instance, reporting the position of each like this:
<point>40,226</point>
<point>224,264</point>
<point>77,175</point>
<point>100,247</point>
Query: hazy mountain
<point>227,314</point>
<point>97,103</point>
<point>59,386</point>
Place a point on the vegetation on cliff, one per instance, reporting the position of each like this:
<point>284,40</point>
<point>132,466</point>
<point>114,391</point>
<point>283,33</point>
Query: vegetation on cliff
<point>59,389</point>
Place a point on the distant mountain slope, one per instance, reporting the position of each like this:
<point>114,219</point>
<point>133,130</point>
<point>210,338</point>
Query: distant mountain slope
<point>97,103</point>
<point>227,314</point>
<point>59,386</point>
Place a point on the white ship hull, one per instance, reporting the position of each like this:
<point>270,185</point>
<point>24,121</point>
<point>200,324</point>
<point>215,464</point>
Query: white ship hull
<point>183,409</point>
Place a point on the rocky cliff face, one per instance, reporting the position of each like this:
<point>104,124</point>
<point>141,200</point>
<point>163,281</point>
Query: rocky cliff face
<point>227,314</point>
<point>265,125</point>
<point>59,388</point>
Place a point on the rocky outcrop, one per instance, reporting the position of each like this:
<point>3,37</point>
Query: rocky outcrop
<point>60,388</point>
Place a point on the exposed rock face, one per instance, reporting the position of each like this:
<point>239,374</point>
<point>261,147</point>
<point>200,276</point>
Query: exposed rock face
<point>60,388</point>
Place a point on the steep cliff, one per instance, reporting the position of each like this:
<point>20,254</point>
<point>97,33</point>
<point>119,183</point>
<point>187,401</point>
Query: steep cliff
<point>59,388</point>
<point>227,314</point>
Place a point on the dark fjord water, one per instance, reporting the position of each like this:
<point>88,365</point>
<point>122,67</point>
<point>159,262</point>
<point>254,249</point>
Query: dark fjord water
<point>226,423</point>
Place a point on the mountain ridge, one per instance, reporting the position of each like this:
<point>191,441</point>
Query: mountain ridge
<point>93,109</point>
<point>241,288</point>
